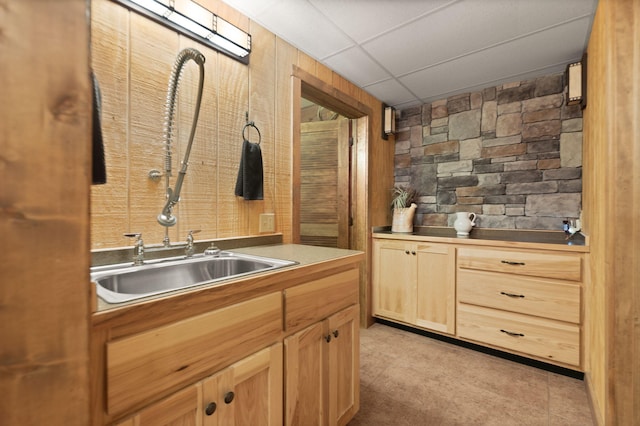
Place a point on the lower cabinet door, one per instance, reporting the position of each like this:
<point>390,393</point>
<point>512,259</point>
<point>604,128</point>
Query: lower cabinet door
<point>322,379</point>
<point>248,392</point>
<point>436,287</point>
<point>344,365</point>
<point>305,359</point>
<point>180,409</point>
<point>394,280</point>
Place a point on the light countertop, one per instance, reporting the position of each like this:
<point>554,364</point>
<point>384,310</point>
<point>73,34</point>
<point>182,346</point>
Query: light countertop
<point>303,255</point>
<point>551,240</point>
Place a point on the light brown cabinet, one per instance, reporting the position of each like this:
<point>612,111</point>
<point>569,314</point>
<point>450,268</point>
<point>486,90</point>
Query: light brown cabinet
<point>322,359</point>
<point>164,364</point>
<point>164,359</point>
<point>249,392</point>
<point>527,301</point>
<point>414,282</point>
<point>322,372</point>
<point>524,301</point>
<point>180,409</point>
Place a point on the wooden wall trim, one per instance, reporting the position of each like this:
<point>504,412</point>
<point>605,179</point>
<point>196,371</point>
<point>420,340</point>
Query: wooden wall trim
<point>44,213</point>
<point>296,96</point>
<point>623,263</point>
<point>611,189</point>
<point>327,95</point>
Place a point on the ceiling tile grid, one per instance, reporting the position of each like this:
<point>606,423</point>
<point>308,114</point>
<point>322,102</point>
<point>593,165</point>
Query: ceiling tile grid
<point>408,52</point>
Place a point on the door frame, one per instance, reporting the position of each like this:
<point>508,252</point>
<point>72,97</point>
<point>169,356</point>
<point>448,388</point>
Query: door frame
<point>304,84</point>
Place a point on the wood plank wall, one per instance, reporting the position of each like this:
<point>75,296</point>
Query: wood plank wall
<point>132,58</point>
<point>44,213</point>
<point>611,204</point>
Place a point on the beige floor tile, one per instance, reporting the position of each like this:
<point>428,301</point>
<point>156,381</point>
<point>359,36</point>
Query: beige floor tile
<point>568,399</point>
<point>409,379</point>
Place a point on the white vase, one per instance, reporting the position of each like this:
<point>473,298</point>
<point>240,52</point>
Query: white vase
<point>464,222</point>
<point>403,219</point>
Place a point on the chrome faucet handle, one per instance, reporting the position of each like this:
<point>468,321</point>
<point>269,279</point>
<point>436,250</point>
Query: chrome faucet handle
<point>136,235</point>
<point>212,250</point>
<point>189,248</point>
<point>138,247</point>
<point>193,231</point>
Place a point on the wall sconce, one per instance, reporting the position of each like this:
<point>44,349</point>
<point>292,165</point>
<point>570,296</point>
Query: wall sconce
<point>388,121</point>
<point>197,23</point>
<point>577,82</point>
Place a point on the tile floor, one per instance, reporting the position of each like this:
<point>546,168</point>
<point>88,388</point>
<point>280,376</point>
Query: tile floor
<point>412,380</point>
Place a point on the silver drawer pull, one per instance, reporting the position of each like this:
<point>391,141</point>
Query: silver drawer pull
<point>512,294</point>
<point>511,333</point>
<point>509,262</point>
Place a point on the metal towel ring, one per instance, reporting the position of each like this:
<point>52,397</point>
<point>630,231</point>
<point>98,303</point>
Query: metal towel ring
<point>251,124</point>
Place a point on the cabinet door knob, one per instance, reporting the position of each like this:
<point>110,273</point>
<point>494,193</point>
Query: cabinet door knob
<point>512,334</point>
<point>228,397</point>
<point>335,333</point>
<point>406,252</point>
<point>327,338</point>
<point>413,253</point>
<point>211,408</point>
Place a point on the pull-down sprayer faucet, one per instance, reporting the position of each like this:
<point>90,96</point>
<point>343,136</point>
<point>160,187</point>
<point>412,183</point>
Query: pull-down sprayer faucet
<point>166,217</point>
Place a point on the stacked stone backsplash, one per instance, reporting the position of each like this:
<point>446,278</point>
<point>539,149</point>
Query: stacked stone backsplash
<point>512,154</point>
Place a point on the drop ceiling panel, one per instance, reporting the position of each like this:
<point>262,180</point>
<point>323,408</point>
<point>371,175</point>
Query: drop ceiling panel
<point>300,23</point>
<point>364,19</point>
<point>459,29</point>
<point>407,51</point>
<point>485,68</point>
<point>357,67</point>
<point>392,92</point>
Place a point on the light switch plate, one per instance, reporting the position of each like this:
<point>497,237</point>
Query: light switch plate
<point>267,222</point>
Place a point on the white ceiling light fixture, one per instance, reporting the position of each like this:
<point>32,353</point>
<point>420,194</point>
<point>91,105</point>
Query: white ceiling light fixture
<point>194,21</point>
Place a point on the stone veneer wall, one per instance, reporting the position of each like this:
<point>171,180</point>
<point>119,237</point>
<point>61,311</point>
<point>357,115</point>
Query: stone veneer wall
<point>512,154</point>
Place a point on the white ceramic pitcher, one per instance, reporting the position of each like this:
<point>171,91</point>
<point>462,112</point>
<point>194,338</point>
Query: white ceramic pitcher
<point>464,222</point>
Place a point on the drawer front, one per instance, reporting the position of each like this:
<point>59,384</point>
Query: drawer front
<point>553,341</point>
<point>562,266</point>
<point>533,296</point>
<point>155,363</point>
<point>316,300</point>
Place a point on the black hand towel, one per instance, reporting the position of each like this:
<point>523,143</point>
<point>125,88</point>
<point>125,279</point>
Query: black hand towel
<point>249,183</point>
<point>98,169</point>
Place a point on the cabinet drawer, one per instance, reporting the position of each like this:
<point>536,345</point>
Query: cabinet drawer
<point>533,296</point>
<point>154,363</point>
<point>316,300</point>
<point>551,340</point>
<point>562,266</point>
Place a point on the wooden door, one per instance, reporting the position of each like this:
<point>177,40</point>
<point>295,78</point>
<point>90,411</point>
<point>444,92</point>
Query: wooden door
<point>394,280</point>
<point>344,365</point>
<point>305,386</point>
<point>180,409</point>
<point>436,287</point>
<point>248,392</point>
<point>325,183</point>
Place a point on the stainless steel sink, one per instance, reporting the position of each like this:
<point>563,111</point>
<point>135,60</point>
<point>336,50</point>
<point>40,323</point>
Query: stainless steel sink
<point>122,283</point>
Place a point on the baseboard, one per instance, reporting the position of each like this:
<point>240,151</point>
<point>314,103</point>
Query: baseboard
<point>489,351</point>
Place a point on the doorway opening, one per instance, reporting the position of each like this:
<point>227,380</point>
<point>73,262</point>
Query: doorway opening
<point>325,176</point>
<point>306,87</point>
